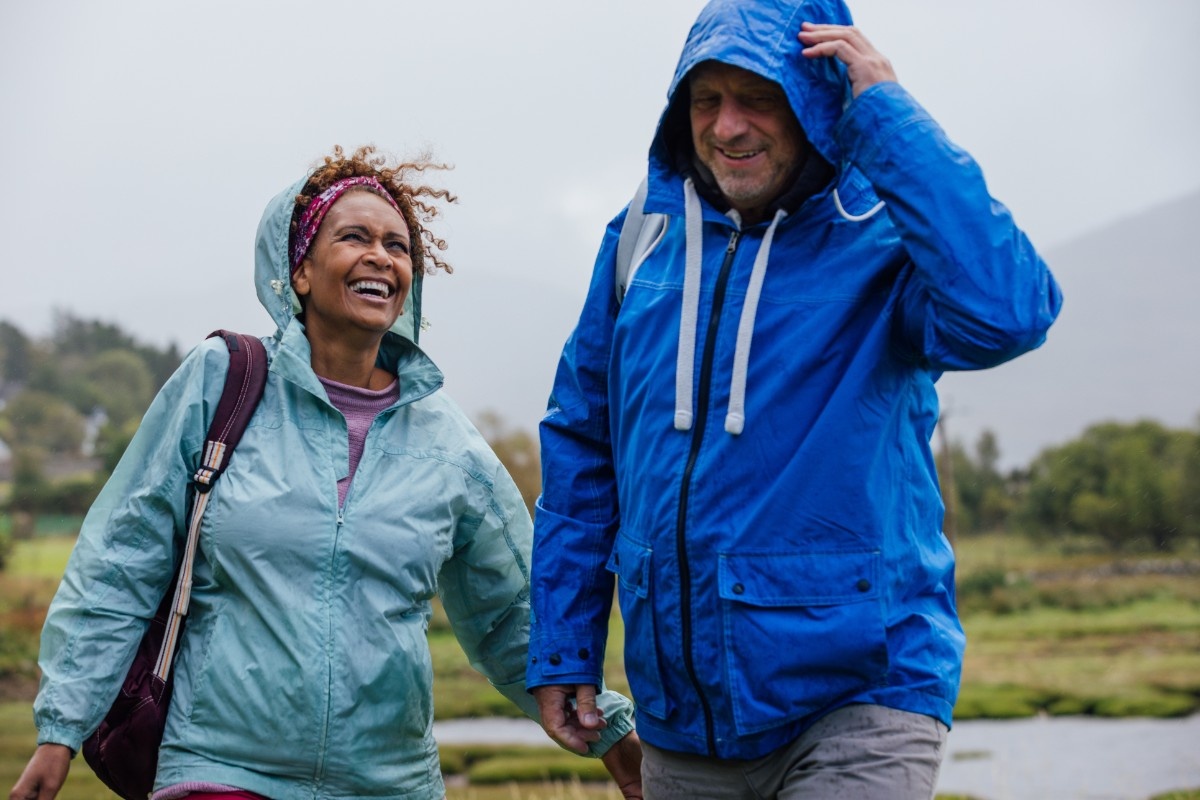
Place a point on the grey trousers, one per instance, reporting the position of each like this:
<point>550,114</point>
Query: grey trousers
<point>858,752</point>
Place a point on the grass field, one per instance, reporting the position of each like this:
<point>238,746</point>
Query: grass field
<point>1051,629</point>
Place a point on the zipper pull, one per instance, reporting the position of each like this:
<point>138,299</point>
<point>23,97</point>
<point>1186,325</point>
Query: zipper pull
<point>733,240</point>
<point>340,518</point>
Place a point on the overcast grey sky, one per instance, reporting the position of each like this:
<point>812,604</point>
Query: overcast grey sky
<point>142,138</point>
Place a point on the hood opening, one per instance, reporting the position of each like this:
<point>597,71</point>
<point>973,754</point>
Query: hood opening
<point>673,147</point>
<point>272,270</point>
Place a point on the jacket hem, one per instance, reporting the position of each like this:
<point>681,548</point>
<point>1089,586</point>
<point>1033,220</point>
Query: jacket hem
<point>758,745</point>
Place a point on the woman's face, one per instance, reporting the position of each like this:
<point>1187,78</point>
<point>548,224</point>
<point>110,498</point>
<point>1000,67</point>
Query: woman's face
<point>358,270</point>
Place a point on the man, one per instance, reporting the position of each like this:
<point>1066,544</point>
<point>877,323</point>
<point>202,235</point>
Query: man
<point>741,443</point>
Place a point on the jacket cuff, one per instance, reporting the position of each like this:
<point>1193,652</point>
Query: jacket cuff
<point>618,712</point>
<point>566,660</point>
<point>56,734</point>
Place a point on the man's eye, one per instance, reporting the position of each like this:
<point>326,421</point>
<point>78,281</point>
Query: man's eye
<point>766,102</point>
<point>705,102</point>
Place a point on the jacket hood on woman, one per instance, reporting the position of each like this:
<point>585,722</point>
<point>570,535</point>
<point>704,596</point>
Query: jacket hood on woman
<point>304,670</point>
<point>741,443</point>
<point>272,270</point>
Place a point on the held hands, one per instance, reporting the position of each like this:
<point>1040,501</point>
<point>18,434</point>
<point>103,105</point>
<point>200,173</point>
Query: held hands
<point>44,774</point>
<point>575,725</point>
<point>572,725</point>
<point>865,65</point>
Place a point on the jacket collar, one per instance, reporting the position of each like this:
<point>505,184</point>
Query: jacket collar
<point>419,376</point>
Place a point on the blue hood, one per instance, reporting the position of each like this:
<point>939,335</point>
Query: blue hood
<point>761,37</point>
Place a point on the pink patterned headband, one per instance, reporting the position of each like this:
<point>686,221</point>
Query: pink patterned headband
<point>310,220</point>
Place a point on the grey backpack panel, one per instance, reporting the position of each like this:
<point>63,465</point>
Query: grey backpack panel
<point>640,234</point>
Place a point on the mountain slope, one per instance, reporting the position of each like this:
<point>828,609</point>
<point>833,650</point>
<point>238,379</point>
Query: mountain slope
<point>1126,346</point>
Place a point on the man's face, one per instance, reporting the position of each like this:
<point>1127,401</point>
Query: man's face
<point>744,131</point>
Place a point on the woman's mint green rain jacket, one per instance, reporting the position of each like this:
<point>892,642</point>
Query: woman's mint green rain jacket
<point>304,670</point>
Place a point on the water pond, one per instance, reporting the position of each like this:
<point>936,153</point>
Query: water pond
<point>1064,758</point>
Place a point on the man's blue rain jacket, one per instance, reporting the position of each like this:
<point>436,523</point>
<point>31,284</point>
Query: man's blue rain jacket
<point>758,481</point>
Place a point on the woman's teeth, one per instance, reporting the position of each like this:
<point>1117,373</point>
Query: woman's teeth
<point>373,288</point>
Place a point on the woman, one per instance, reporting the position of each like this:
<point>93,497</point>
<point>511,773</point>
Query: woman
<point>358,491</point>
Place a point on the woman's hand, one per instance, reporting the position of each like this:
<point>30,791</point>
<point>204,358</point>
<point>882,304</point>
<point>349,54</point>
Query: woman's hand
<point>624,763</point>
<point>44,774</point>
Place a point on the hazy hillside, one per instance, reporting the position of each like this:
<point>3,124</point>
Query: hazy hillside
<point>1126,346</point>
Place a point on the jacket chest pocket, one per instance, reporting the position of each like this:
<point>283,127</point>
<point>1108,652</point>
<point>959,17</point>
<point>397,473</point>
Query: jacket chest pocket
<point>801,631</point>
<point>630,561</point>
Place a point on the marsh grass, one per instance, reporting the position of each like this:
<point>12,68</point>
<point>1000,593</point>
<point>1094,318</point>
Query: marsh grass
<point>43,558</point>
<point>1066,631</point>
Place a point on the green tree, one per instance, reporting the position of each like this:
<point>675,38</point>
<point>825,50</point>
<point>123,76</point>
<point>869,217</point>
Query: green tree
<point>111,444</point>
<point>1124,483</point>
<point>982,498</point>
<point>14,355</point>
<point>120,384</point>
<point>1185,492</point>
<point>37,419</point>
<point>996,497</point>
<point>87,339</point>
<point>29,486</point>
<point>51,385</point>
<point>517,451</point>
<point>95,365</point>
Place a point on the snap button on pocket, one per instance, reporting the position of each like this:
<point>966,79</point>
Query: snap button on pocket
<point>583,653</point>
<point>739,588</point>
<point>863,585</point>
<point>555,660</point>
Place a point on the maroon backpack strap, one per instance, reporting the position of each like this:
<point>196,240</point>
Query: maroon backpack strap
<point>243,389</point>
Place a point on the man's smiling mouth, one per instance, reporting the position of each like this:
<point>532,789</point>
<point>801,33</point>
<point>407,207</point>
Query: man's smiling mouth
<point>740,155</point>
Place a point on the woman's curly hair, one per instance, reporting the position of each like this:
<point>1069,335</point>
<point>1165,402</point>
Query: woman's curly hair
<point>419,203</point>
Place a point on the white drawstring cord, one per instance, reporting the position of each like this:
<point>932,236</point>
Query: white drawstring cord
<point>837,201</point>
<point>685,358</point>
<point>735,416</point>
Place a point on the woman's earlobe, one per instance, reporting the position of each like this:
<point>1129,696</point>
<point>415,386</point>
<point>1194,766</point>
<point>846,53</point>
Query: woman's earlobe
<point>300,279</point>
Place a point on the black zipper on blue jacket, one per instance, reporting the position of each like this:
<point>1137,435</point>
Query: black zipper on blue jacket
<point>685,572</point>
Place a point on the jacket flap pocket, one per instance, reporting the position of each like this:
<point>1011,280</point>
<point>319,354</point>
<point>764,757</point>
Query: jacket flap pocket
<point>799,579</point>
<point>631,562</point>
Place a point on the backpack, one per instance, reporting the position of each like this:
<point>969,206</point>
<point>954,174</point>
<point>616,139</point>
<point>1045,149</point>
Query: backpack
<point>640,234</point>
